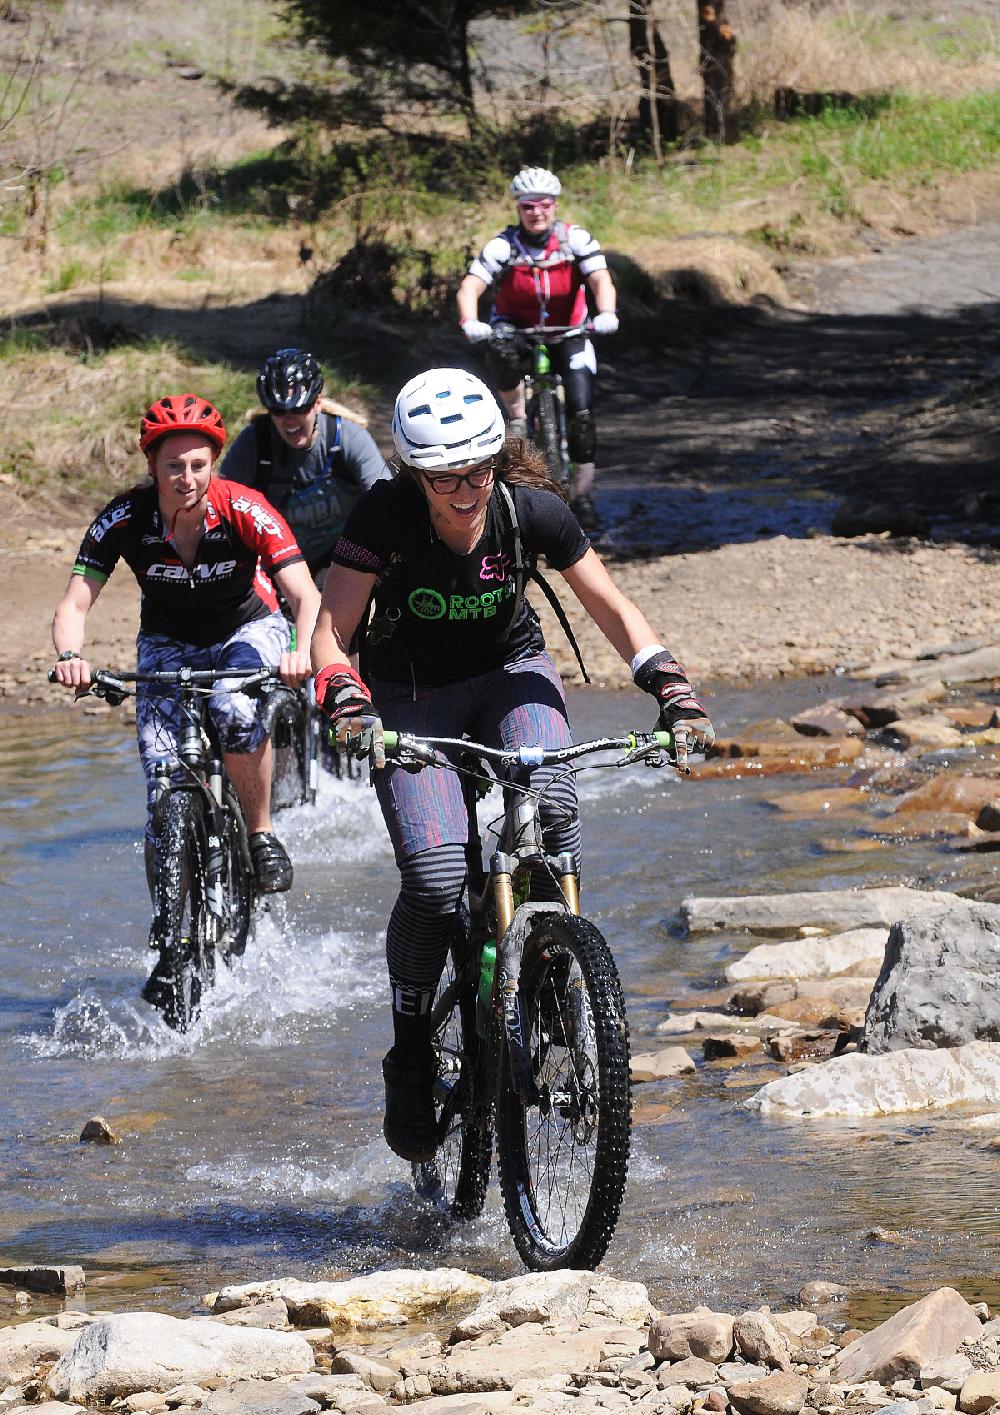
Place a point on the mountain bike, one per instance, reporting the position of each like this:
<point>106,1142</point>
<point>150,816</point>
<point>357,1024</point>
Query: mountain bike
<point>530,1030</point>
<point>204,889</point>
<point>544,394</point>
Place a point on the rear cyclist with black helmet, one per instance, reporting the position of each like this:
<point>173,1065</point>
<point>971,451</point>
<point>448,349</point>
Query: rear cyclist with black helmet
<point>542,268</point>
<point>311,457</point>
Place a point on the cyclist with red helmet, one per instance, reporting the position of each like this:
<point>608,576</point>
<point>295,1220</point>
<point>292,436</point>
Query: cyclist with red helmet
<point>203,552</point>
<point>540,269</point>
<point>311,457</point>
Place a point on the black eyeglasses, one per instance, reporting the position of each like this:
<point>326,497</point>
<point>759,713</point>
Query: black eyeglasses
<point>446,482</point>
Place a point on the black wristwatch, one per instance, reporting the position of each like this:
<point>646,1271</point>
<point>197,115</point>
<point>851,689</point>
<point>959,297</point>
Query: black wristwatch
<point>66,655</point>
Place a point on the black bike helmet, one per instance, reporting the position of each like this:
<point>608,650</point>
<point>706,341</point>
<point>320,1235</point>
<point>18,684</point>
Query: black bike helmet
<point>290,379</point>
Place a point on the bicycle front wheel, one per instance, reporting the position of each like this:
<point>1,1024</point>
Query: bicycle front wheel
<point>184,925</point>
<point>546,434</point>
<point>457,1178</point>
<point>564,1161</point>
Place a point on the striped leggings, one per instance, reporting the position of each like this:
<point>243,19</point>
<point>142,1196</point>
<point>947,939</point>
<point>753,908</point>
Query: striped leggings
<point>521,703</point>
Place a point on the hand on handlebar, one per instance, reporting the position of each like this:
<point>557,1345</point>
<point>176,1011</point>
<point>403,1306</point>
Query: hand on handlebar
<point>476,331</point>
<point>605,322</point>
<point>72,673</point>
<point>294,667</point>
<point>345,699</point>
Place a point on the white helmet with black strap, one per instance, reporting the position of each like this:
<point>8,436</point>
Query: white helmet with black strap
<point>535,182</point>
<point>446,418</point>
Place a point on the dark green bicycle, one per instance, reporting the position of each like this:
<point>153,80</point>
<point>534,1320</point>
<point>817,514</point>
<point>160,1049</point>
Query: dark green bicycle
<point>530,1027</point>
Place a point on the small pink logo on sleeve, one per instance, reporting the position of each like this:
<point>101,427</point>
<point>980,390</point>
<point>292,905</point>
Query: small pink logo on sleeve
<point>495,567</point>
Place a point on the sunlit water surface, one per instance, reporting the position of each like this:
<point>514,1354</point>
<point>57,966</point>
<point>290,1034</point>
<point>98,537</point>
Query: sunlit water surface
<point>251,1147</point>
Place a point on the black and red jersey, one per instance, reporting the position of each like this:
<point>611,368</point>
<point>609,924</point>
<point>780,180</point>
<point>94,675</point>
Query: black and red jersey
<point>244,539</point>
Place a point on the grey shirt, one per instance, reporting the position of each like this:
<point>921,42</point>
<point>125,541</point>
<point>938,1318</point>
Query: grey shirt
<point>292,470</point>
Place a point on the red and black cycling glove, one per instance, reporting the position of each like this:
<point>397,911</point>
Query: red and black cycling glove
<point>664,678</point>
<point>345,699</point>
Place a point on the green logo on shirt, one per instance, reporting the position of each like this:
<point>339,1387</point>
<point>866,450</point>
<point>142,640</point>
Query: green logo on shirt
<point>427,604</point>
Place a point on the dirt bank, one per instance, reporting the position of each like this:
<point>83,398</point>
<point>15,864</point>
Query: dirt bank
<point>733,445</point>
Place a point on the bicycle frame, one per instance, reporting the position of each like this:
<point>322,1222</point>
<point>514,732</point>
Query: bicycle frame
<point>520,846</point>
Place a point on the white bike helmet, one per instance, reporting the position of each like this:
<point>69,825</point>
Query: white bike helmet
<point>446,418</point>
<point>535,182</point>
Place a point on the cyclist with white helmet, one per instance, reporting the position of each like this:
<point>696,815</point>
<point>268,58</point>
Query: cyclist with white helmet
<point>541,269</point>
<point>454,647</point>
<point>311,457</point>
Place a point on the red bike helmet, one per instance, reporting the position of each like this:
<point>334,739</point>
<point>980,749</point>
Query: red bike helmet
<point>181,412</point>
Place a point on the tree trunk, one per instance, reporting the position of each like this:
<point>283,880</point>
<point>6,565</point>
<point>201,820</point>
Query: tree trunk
<point>716,48</point>
<point>656,117</point>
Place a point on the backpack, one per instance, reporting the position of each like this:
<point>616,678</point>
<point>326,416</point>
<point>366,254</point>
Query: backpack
<point>316,512</point>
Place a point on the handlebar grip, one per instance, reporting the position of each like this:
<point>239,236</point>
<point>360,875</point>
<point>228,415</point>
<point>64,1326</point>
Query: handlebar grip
<point>664,739</point>
<point>390,740</point>
<point>51,676</point>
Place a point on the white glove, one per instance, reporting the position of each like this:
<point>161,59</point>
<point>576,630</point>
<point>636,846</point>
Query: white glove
<point>605,322</point>
<point>477,332</point>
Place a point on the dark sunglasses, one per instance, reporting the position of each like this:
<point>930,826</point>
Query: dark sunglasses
<point>446,482</point>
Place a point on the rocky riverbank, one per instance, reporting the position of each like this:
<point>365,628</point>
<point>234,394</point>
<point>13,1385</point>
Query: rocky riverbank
<point>447,1341</point>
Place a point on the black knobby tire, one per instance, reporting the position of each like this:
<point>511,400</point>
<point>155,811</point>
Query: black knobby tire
<point>564,1162</point>
<point>187,951</point>
<point>290,772</point>
<point>239,880</point>
<point>457,1178</point>
<point>546,433</point>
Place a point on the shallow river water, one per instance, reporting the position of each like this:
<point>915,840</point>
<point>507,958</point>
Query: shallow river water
<point>252,1146</point>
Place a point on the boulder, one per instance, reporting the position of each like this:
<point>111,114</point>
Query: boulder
<point>940,981</point>
<point>980,1392</point>
<point>926,1331</point>
<point>377,1375</point>
<point>273,1315</point>
<point>731,1046</point>
<point>989,816</point>
<point>557,1296</point>
<point>820,1291</point>
<point>795,1326</point>
<point>859,1084</point>
<point>878,709</point>
<point>133,1351</point>
<point>28,1345</point>
<point>661,1065</point>
<point>691,1372</point>
<point>758,1339</point>
<point>811,957</point>
<point>833,909</point>
<point>783,1394</point>
<point>97,1131</point>
<point>526,1352</point>
<point>699,1333</point>
<point>366,1303</point>
<point>975,667</point>
<point>949,1373</point>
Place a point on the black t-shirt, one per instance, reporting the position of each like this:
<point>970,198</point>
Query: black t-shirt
<point>226,587</point>
<point>450,615</point>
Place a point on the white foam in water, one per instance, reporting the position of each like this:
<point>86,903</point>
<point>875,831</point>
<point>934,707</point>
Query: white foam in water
<point>345,825</point>
<point>282,980</point>
<point>296,1179</point>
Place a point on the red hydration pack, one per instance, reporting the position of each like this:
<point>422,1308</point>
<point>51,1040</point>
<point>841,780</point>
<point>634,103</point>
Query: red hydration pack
<point>541,289</point>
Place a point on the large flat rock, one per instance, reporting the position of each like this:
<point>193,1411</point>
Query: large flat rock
<point>822,957</point>
<point>365,1303</point>
<point>133,1351</point>
<point>926,1331</point>
<point>895,1083</point>
<point>832,909</point>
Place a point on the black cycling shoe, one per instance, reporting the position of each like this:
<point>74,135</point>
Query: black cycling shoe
<point>271,864</point>
<point>158,989</point>
<point>585,511</point>
<point>410,1128</point>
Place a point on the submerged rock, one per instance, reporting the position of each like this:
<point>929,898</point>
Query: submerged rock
<point>940,981</point>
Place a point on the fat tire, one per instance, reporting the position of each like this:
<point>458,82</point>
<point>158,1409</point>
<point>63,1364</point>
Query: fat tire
<point>187,952</point>
<point>573,1160</point>
<point>457,1179</point>
<point>290,771</point>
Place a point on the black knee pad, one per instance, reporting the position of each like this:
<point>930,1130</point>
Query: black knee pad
<point>581,436</point>
<point>507,362</point>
